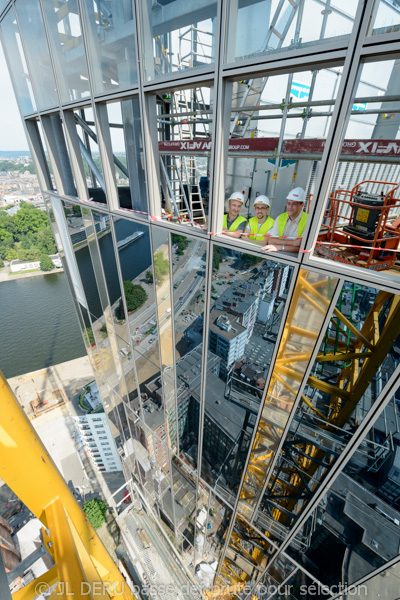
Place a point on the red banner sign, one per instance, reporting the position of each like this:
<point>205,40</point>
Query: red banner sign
<point>308,146</point>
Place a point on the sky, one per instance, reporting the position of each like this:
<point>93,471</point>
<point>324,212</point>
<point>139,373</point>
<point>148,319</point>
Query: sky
<point>12,135</point>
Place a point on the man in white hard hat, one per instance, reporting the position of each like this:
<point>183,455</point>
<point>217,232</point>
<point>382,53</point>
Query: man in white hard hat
<point>259,225</point>
<point>288,228</point>
<point>234,224</point>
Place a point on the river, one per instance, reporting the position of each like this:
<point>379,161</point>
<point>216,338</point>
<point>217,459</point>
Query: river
<point>38,323</point>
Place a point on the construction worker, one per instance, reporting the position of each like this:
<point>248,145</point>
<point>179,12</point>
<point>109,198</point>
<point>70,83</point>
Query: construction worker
<point>288,228</point>
<point>259,225</point>
<point>234,224</point>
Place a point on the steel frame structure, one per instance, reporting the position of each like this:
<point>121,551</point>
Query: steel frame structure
<point>262,472</point>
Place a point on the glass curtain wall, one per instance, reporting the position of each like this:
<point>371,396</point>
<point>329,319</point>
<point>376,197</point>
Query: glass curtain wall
<point>250,384</point>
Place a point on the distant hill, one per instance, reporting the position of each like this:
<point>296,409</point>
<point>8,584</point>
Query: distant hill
<point>14,153</point>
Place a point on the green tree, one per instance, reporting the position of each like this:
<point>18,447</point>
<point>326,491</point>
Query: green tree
<point>182,242</point>
<point>31,253</point>
<point>89,337</point>
<point>76,209</point>
<point>30,219</point>
<point>4,234</point>
<point>46,264</point>
<point>149,276</point>
<point>249,259</point>
<point>45,241</point>
<point>11,254</point>
<point>161,266</point>
<point>216,258</point>
<point>135,295</point>
<point>96,512</point>
<point>1,263</point>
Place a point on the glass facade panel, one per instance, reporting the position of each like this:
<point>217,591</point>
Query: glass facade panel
<point>54,133</point>
<point>360,340</point>
<point>359,226</point>
<point>248,300</point>
<point>161,261</point>
<point>66,42</point>
<point>139,314</point>
<point>89,150</point>
<point>178,36</point>
<point>385,18</point>
<point>264,27</point>
<point>387,579</point>
<point>357,518</point>
<point>274,123</point>
<point>51,179</point>
<point>110,31</point>
<point>235,448</point>
<point>310,303</point>
<point>17,62</point>
<point>188,278</point>
<point>32,30</point>
<point>246,556</point>
<point>127,149</point>
<point>185,120</point>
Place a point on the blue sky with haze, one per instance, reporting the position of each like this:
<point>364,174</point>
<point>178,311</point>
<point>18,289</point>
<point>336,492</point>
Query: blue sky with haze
<point>12,135</point>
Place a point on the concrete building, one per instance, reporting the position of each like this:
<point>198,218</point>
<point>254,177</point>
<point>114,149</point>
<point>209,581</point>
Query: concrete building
<point>95,432</point>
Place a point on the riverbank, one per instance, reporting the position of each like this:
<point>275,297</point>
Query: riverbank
<point>6,275</point>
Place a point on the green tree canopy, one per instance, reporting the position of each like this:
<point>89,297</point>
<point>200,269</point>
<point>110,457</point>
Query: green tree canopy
<point>250,259</point>
<point>46,264</point>
<point>181,241</point>
<point>89,337</point>
<point>216,258</point>
<point>161,266</point>
<point>149,276</point>
<point>135,295</point>
<point>96,512</point>
<point>29,219</point>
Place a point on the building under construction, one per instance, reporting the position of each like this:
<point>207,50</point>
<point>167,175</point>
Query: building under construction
<point>255,396</point>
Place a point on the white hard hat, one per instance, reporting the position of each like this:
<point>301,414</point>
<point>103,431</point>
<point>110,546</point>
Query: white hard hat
<point>297,195</point>
<point>262,200</point>
<point>237,196</point>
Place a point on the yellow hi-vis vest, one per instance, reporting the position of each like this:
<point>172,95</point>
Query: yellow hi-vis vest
<point>235,223</point>
<point>265,227</point>
<point>282,222</point>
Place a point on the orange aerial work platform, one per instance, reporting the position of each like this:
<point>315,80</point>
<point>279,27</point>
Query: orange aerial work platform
<point>360,228</point>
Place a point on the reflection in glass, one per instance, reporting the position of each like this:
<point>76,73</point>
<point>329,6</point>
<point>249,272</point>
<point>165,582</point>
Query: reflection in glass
<point>246,556</point>
<point>66,40</point>
<point>89,149</point>
<point>212,519</point>
<point>263,27</point>
<point>363,204</point>
<point>248,296</point>
<point>357,517</point>
<point>137,308</point>
<point>110,32</point>
<point>270,128</point>
<point>185,121</point>
<point>310,302</point>
<point>18,66</point>
<point>53,128</point>
<point>34,37</point>
<point>178,37</point>
<point>356,360</point>
<point>188,278</point>
<point>385,18</point>
<point>161,261</point>
<point>46,156</point>
<point>127,148</point>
